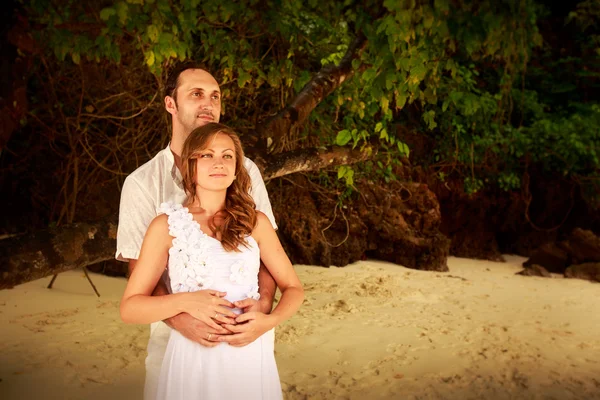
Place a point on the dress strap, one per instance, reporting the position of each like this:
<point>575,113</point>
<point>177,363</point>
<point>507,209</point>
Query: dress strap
<point>178,216</point>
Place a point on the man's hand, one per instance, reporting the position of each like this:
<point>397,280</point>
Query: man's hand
<point>196,330</point>
<point>250,326</point>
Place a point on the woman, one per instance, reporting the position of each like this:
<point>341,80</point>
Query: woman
<point>213,247</point>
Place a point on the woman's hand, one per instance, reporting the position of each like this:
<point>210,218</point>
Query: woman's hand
<point>248,305</point>
<point>210,307</point>
<point>249,327</point>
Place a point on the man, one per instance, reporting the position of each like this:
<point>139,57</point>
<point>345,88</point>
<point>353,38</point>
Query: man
<point>193,98</point>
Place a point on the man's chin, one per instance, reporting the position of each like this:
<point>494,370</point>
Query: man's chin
<point>202,122</point>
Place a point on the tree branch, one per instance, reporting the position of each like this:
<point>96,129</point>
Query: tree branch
<point>328,79</point>
<point>311,160</point>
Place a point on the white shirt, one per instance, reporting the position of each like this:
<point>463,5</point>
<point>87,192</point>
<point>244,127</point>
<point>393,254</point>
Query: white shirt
<point>159,181</point>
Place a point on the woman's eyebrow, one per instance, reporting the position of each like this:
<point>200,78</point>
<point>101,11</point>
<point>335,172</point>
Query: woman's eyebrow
<point>222,151</point>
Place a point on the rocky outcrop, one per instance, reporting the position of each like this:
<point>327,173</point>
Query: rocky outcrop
<point>398,222</point>
<point>578,256</point>
<point>535,270</point>
<point>588,271</point>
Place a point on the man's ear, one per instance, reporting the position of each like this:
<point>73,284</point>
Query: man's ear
<point>170,105</point>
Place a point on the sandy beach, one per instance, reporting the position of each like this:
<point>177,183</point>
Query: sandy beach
<point>371,330</point>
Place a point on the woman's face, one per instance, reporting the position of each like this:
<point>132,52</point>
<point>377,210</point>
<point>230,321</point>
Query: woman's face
<point>215,165</point>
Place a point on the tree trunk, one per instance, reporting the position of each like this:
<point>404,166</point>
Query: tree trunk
<point>42,253</point>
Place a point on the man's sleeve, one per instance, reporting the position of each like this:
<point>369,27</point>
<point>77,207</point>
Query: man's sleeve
<point>136,211</point>
<point>259,191</point>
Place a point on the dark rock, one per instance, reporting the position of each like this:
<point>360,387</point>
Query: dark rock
<point>551,256</point>
<point>397,222</point>
<point>587,271</point>
<point>493,222</point>
<point>584,246</point>
<point>469,220</point>
<point>535,270</point>
<point>404,220</point>
<point>110,268</point>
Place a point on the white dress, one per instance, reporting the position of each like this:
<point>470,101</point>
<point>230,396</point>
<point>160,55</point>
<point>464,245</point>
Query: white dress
<point>189,370</point>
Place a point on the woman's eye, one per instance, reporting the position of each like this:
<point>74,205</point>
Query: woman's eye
<point>228,156</point>
<point>206,156</point>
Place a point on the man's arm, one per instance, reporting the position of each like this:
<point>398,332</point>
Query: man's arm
<point>266,283</point>
<point>184,323</point>
<point>266,289</point>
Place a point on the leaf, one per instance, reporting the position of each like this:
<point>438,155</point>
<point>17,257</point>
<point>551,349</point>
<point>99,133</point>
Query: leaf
<point>153,33</point>
<point>341,171</point>
<point>343,137</point>
<point>106,13</point>
<point>349,176</point>
<point>428,21</point>
<point>384,134</point>
<point>456,96</point>
<point>122,12</point>
<point>385,103</point>
<point>243,78</point>
<point>403,63</point>
<point>76,58</point>
<point>429,118</point>
<point>445,104</point>
<point>149,58</point>
<point>418,72</point>
<point>390,77</point>
<point>378,127</point>
<point>369,74</point>
<point>403,148</point>
<point>401,100</point>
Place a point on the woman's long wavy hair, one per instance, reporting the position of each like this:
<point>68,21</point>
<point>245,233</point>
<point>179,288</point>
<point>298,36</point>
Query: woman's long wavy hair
<point>239,214</point>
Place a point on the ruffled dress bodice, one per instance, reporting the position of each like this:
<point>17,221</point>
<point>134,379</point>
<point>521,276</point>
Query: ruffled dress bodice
<point>198,261</point>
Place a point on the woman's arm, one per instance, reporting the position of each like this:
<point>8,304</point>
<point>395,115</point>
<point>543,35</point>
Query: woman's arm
<point>140,307</point>
<point>279,265</point>
<point>252,324</point>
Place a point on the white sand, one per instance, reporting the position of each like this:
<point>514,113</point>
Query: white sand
<point>371,330</point>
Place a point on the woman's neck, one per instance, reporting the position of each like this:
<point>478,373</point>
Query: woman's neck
<point>212,202</point>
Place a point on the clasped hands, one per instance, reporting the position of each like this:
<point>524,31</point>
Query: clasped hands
<point>209,320</point>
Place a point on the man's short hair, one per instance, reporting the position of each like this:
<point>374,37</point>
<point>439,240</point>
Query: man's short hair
<point>172,82</point>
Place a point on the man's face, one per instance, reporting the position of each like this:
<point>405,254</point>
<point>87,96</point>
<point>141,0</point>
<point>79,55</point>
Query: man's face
<point>198,100</point>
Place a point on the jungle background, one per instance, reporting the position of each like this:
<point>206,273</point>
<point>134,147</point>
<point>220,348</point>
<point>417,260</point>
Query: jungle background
<point>400,130</point>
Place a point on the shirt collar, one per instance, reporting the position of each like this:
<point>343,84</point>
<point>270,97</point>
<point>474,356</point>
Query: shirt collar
<point>175,173</point>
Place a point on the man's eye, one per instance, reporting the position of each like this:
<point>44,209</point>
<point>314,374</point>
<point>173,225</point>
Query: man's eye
<point>215,97</point>
<point>197,94</point>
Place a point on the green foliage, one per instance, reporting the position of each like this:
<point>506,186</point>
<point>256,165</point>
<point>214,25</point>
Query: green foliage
<point>458,72</point>
<point>347,174</point>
